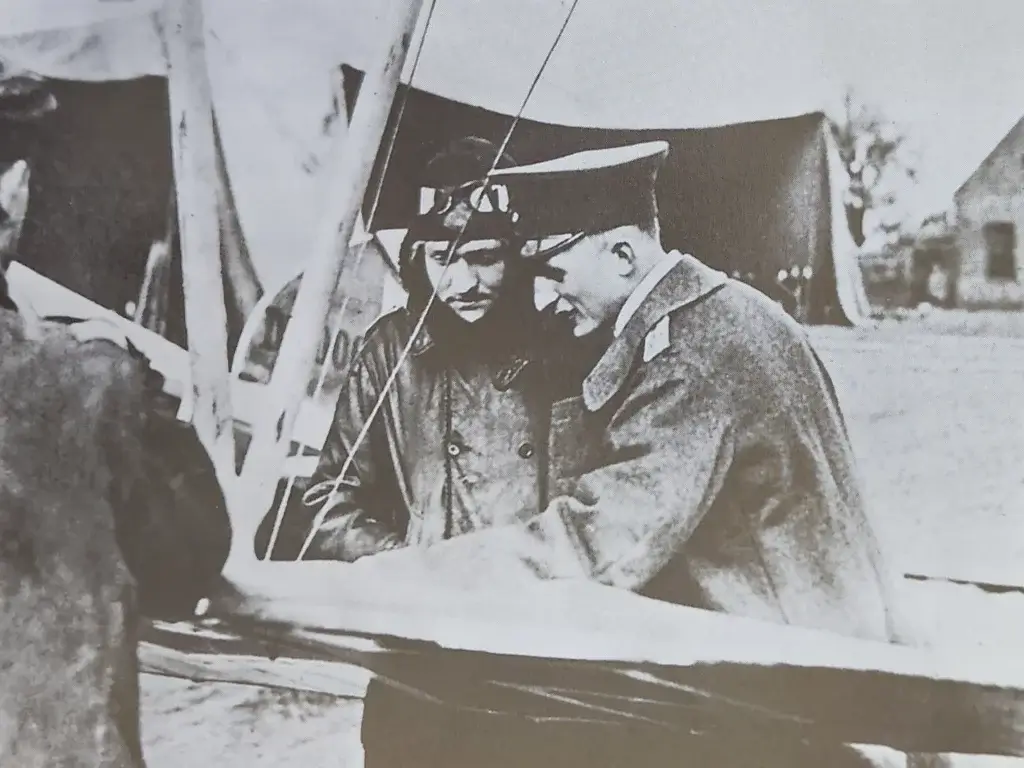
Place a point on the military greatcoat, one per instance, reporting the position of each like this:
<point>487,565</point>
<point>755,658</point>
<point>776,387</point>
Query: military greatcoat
<point>718,472</point>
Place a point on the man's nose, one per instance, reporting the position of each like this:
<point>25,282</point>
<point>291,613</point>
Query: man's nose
<point>544,293</point>
<point>461,277</point>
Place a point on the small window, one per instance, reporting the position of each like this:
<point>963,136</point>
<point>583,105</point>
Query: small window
<point>1000,250</point>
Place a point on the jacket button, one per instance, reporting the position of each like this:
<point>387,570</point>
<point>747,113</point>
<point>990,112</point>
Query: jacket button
<point>453,450</point>
<point>525,451</point>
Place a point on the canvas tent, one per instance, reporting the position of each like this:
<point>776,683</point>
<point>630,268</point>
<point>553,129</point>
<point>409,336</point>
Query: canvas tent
<point>752,186</point>
<point>750,199</point>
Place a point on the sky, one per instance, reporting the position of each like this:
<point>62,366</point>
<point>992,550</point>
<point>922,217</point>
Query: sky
<point>950,73</point>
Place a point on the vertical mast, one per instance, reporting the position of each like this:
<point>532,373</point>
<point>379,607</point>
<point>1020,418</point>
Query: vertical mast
<point>348,175</point>
<point>196,184</point>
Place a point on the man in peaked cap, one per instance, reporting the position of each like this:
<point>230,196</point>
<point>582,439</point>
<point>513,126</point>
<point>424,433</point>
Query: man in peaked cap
<point>726,465</point>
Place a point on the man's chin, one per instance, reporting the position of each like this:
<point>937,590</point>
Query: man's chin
<point>584,327</point>
<point>471,314</point>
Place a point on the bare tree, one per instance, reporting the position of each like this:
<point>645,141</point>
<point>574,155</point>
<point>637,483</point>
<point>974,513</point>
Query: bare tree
<point>874,152</point>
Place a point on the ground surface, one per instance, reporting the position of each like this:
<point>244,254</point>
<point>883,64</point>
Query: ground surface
<point>936,411</point>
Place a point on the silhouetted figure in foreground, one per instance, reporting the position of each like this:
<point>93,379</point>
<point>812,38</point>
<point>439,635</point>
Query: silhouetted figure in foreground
<point>106,504</point>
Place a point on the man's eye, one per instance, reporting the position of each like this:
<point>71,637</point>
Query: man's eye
<point>485,259</point>
<point>543,269</point>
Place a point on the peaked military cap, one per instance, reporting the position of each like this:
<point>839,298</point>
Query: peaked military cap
<point>557,202</point>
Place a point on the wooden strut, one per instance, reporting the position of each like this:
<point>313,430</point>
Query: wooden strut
<point>348,172</point>
<point>199,227</point>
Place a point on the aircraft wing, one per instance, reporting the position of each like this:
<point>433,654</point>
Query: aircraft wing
<point>581,651</point>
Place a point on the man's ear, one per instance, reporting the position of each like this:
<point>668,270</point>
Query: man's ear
<point>625,259</point>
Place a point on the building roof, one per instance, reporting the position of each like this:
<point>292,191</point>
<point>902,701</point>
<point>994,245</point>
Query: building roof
<point>1013,137</point>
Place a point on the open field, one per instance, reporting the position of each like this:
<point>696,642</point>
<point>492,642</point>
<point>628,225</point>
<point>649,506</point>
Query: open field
<point>936,412</point>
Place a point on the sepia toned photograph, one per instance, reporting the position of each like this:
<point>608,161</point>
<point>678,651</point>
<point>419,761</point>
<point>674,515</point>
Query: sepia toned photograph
<point>511,384</point>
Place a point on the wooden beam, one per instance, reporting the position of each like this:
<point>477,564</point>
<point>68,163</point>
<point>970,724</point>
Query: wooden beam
<point>196,184</point>
<point>349,173</point>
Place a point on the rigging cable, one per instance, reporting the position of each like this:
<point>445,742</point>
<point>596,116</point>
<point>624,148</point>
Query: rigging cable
<point>456,241</point>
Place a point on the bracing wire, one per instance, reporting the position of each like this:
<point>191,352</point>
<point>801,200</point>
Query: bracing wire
<point>456,241</point>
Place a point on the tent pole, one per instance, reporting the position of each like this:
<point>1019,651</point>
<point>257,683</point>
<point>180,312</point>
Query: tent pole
<point>348,173</point>
<point>195,177</point>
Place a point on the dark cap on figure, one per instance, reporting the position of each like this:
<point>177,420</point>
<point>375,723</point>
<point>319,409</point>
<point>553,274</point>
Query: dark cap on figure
<point>456,201</point>
<point>557,202</point>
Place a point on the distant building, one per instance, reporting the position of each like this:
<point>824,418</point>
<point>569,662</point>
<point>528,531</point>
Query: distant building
<point>990,219</point>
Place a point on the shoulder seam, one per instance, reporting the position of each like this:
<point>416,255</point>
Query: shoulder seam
<point>373,332</point>
<point>379,320</point>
